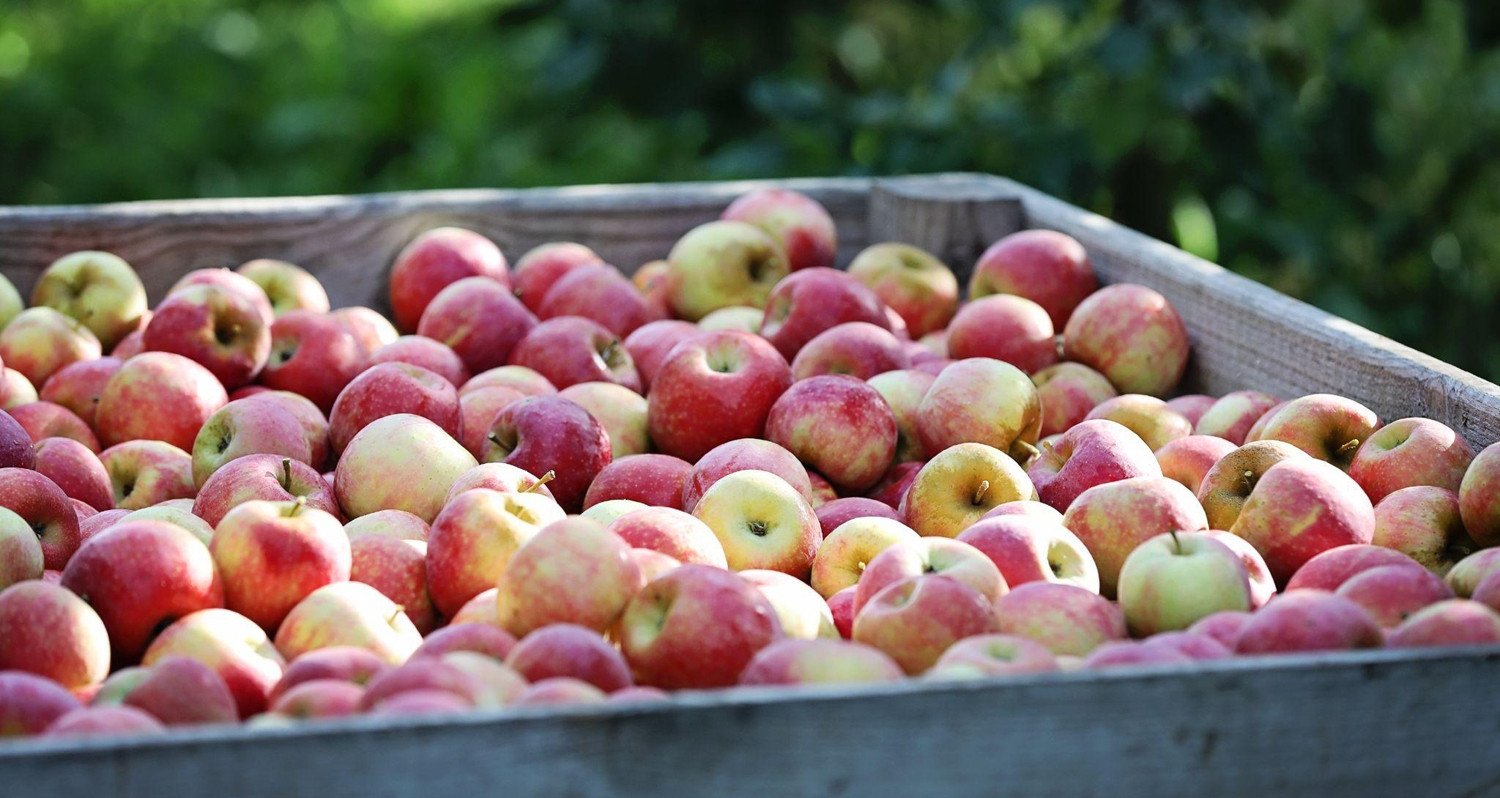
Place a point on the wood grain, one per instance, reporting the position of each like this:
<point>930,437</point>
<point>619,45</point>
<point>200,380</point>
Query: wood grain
<point>1369,724</point>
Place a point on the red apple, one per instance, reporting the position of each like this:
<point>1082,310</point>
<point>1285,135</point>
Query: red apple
<point>352,664</point>
<point>473,636</point>
<point>48,630</point>
<point>916,619</point>
<point>479,320</point>
<point>1308,620</point>
<point>105,722</point>
<point>1407,453</point>
<point>214,327</point>
<point>541,267</point>
<point>1392,593</point>
<point>911,282</point>
<point>400,462</point>
<point>40,341</point>
<point>696,627</point>
<point>433,261</point>
<point>1301,508</point>
<point>550,433</point>
<point>15,389</point>
<point>983,656</point>
<point>230,644</point>
<point>1049,268</point>
<point>892,488</point>
<point>1091,453</point>
<point>1146,416</point>
<point>809,302</point>
<point>1223,627</point>
<point>650,344</point>
<point>1479,497</point>
<point>929,555</point>
<point>599,292</point>
<point>46,509</point>
<point>47,420</point>
<point>856,348</point>
<point>1133,653</point>
<point>1233,414</point>
<point>247,427</point>
<point>78,386</point>
<point>348,614</point>
<point>287,286</point>
<point>388,389</point>
<point>30,703</point>
<point>370,329</point>
<point>1332,568</point>
<point>799,224</point>
<point>715,388</point>
<point>1231,479</point>
<point>652,479</point>
<point>312,354</point>
<point>1423,523</point>
<point>838,425</point>
<point>1067,619</point>
<point>426,353</point>
<point>1031,549</point>
<point>1130,334</point>
<point>318,698</point>
<point>76,470</point>
<point>539,584</point>
<point>570,650</point>
<point>1454,622</point>
<point>1325,426</point>
<point>21,557</point>
<point>1004,327</point>
<point>671,532</point>
<point>271,555</point>
<point>177,690</point>
<point>1187,460</point>
<point>1114,518</point>
<point>835,513</point>
<point>517,378</point>
<point>789,662</point>
<point>158,396</point>
<point>981,400</point>
<point>473,538</point>
<point>262,477</point>
<point>144,473</point>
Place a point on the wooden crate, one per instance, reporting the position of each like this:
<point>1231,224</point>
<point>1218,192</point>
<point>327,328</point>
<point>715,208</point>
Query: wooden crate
<point>1362,724</point>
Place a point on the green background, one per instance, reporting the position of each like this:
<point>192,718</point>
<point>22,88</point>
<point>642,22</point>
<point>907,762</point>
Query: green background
<point>1341,151</point>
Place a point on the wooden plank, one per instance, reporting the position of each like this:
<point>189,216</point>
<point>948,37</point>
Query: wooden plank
<point>1357,724</point>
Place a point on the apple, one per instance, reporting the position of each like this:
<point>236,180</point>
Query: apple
<point>1134,653</point>
<point>653,564</point>
<point>91,526</point>
<point>983,656</point>
<point>1171,581</point>
<point>262,477</point>
<point>287,286</point>
<point>352,664</point>
<point>741,455</point>
<point>672,532</point>
<point>16,450</point>
<point>714,388</point>
<point>572,651</point>
<point>1467,574</point>
<point>835,513</point>
<point>1067,619</point>
<point>397,567</point>
<point>433,261</point>
<point>1004,327</point>
<point>650,344</point>
<point>47,420</point>
<point>762,522</point>
<point>541,434</point>
<point>1130,334</point>
<point>652,479</point>
<point>720,264</point>
<point>1328,427</point>
<point>348,614</point>
<point>45,509</point>
<point>1222,627</point>
<point>227,280</point>
<point>517,378</point>
<point>478,320</point>
<point>538,584</point>
<point>855,348</point>
<point>654,280</point>
<point>1029,508</point>
<point>1453,622</point>
<point>1232,415</point>
<point>981,400</point>
<point>1049,268</point>
<point>474,536</point>
<point>21,555</point>
<point>841,606</point>
<point>929,555</point>
<point>1114,518</point>
<point>1146,416</point>
<point>48,630</point>
<point>441,675</point>
<point>1308,620</point>
<point>15,389</point>
<point>104,722</point>
<point>422,702</point>
<point>903,390</point>
<point>892,488</point>
<point>820,661</point>
<point>1392,593</point>
<point>173,513</point>
<point>1232,478</point>
<point>141,576</point>
<point>434,356</point>
<point>177,690</point>
<point>799,224</point>
<point>98,289</point>
<point>916,619</point>
<point>1299,508</point>
<point>542,266</point>
<point>911,282</point>
<point>696,627</point>
<point>1091,453</point>
<point>77,386</point>
<point>801,613</point>
<point>838,425</point>
<point>1407,453</point>
<point>1262,585</point>
<point>245,427</point>
<point>1068,391</point>
<point>1423,522</point>
<point>599,292</point>
<point>399,462</point>
<point>370,329</point>
<point>503,477</point>
<point>621,411</point>
<point>568,350</point>
<point>606,512</point>
<point>230,644</point>
<point>810,302</point>
<point>214,327</point>
<point>312,354</point>
<point>477,637</point>
<point>158,396</point>
<point>1187,460</point>
<point>30,703</point>
<point>1479,497</point>
<point>559,691</point>
<point>40,341</point>
<point>314,424</point>
<point>1332,568</point>
<point>477,411</point>
<point>319,698</point>
<point>1192,406</point>
<point>10,301</point>
<point>1033,549</point>
<point>958,486</point>
<point>271,555</point>
<point>76,470</point>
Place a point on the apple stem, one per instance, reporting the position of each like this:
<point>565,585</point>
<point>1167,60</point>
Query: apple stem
<point>1249,478</point>
<point>394,615</point>
<point>297,505</point>
<point>1349,447</point>
<point>542,480</point>
<point>1027,450</point>
<point>1057,343</point>
<point>1176,544</point>
<point>984,487</point>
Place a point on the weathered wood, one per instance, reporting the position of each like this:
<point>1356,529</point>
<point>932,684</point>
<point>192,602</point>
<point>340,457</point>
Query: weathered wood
<point>1361,724</point>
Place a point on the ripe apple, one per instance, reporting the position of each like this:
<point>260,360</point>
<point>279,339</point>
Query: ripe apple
<point>76,470</point>
<point>652,479</point>
<point>539,583</point>
<point>21,556</point>
<point>397,567</point>
<point>600,292</point>
<point>559,691</point>
<point>1067,619</point>
<point>230,644</point>
<point>474,536</point>
<point>433,261</point>
<point>903,390</point>
<point>911,282</point>
<point>48,630</point>
<point>1068,391</point>
<point>47,420</point>
<point>158,396</point>
<point>399,462</point>
<point>146,472</point>
<point>1232,415</point>
<point>958,486</point>
<point>1114,518</point>
<point>892,488</point>
<point>621,411</point>
<point>15,444</point>
<point>838,425</point>
<point>1468,573</point>
<point>1049,268</point>
<point>352,664</point>
<point>1146,416</point>
<point>1033,549</point>
<point>833,514</point>
<point>1192,406</point>
<point>1130,334</point>
<point>542,266</point>
<point>1328,427</point>
<point>1089,454</point>
<point>214,327</point>
<point>1308,620</point>
<point>1423,522</point>
<point>370,329</point>
<point>1029,508</point>
<point>720,264</point>
<point>99,289</point>
<point>1232,478</point>
<point>518,378</point>
<point>41,341</point>
<point>799,224</point>
<point>1004,327</point>
<point>1188,460</point>
<point>843,557</point>
<point>271,555</point>
<point>981,400</point>
<point>1262,585</point>
<point>568,350</point>
<point>916,619</point>
<point>479,320</point>
<point>1392,593</point>
<point>177,690</point>
<point>227,280</point>
<point>312,354</point>
<point>174,513</point>
<point>262,477</point>
<point>478,637</point>
<point>1331,569</point>
<point>477,411</point>
<point>503,477</point>
<point>30,703</point>
<point>287,286</point>
<point>812,301</point>
<point>77,386</point>
<point>654,279</point>
<point>1479,497</point>
<point>856,348</point>
<point>318,698</point>
<point>762,522</point>
<point>714,388</point>
<point>1454,622</point>
<point>104,722</point>
<point>929,555</point>
<point>650,344</point>
<point>672,532</point>
<point>983,656</point>
<point>735,317</point>
<point>348,614</point>
<point>245,427</point>
<point>821,661</point>
<point>572,651</point>
<point>1134,653</point>
<point>541,434</point>
<point>1173,580</point>
<point>606,512</point>
<point>415,350</point>
<point>696,627</point>
<point>740,455</point>
<point>45,509</point>
<point>801,613</point>
<point>1222,627</point>
<point>15,389</point>
<point>1410,452</point>
<point>1300,508</point>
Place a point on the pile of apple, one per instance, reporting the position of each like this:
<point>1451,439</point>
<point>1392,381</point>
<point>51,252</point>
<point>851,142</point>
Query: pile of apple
<point>739,466</point>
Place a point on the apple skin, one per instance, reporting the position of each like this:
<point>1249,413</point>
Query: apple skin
<point>1195,645</point>
<point>30,703</point>
<point>650,344</point>
<point>227,280</point>
<point>903,390</point>
<point>1134,653</point>
<point>892,488</point>
<point>21,557</point>
<point>841,606</point>
<point>399,462</point>
<point>312,354</point>
<point>421,702</point>
<point>696,627</point>
<point>262,477</point>
<point>856,348</point>
<point>1222,627</point>
<point>1331,569</point>
<point>271,555</point>
<point>918,618</point>
<point>158,396</point>
<point>542,266</point>
<point>414,350</point>
<point>1067,619</point>
<point>1173,580</point>
<point>1090,454</point>
<point>799,224</point>
<point>1423,522</point>
<point>538,585</point>
<point>1453,622</point>
<point>352,664</point>
<point>433,261</point>
<point>46,420</point>
<point>245,427</point>
<point>1467,574</point>
<point>568,350</point>
<point>1031,549</point>
<point>720,264</point>
<point>370,329</point>
<point>40,341</point>
<point>1326,426</point>
<point>984,656</point>
<point>287,286</point>
<point>1262,584</point>
<point>599,292</point>
<point>474,536</point>
<point>16,450</point>
<point>174,513</point>
<point>479,320</point>
<point>1479,497</point>
<point>1029,508</point>
<point>929,555</point>
<point>1068,391</point>
<point>812,301</point>
<point>1232,478</point>
<point>833,514</point>
<point>821,661</point>
<point>230,644</point>
<point>801,613</point>
<point>104,722</point>
<point>762,522</point>
<point>911,282</point>
<point>1188,460</point>
<point>1191,406</point>
<point>314,424</point>
<point>1114,518</point>
<point>735,317</point>
<point>177,690</point>
<point>1130,334</point>
<point>1004,327</point>
<point>1047,267</point>
<point>1392,593</point>
<point>15,389</point>
<point>97,288</point>
<point>398,569</point>
<point>138,577</point>
<point>348,614</point>
<point>1300,508</point>
<point>958,486</point>
<point>712,389</point>
<point>215,327</point>
<point>76,471</point>
<point>654,280</point>
<point>438,674</point>
<point>573,651</point>
<point>559,691</point>
<point>477,412</point>
<point>672,532</point>
<point>1146,416</point>
<point>839,426</point>
<point>621,411</point>
<point>46,510</point>
<point>48,630</point>
<point>478,637</point>
<point>1233,414</point>
<point>319,698</point>
<point>1410,452</point>
<point>742,455</point>
<point>77,386</point>
<point>550,433</point>
<point>1308,620</point>
<point>652,479</point>
<point>844,555</point>
<point>10,301</point>
<point>519,378</point>
<point>503,477</point>
<point>981,400</point>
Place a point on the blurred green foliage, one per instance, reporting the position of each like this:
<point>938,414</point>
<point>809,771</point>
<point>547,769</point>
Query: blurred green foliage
<point>1341,151</point>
